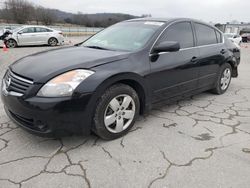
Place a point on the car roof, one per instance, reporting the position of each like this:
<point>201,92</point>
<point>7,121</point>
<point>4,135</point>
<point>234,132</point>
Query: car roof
<point>166,19</point>
<point>25,26</point>
<point>171,20</point>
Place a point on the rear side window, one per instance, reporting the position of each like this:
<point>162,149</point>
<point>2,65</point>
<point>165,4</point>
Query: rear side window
<point>41,30</point>
<point>205,35</point>
<point>219,36</point>
<point>180,32</point>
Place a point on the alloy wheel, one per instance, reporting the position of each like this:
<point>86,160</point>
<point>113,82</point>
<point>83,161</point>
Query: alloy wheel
<point>11,44</point>
<point>119,113</point>
<point>53,42</point>
<point>225,79</point>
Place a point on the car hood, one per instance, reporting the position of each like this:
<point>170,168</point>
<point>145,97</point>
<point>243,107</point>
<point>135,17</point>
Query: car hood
<point>54,62</point>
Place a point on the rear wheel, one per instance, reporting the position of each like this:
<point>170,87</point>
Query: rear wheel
<point>116,112</point>
<point>224,79</point>
<point>11,43</point>
<point>53,41</point>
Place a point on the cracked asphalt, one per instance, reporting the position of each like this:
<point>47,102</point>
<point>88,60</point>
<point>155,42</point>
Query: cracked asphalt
<point>202,141</point>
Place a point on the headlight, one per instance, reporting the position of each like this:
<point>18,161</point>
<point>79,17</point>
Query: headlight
<point>64,84</point>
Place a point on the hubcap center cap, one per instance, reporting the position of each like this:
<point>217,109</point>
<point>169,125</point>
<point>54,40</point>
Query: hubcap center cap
<point>119,113</point>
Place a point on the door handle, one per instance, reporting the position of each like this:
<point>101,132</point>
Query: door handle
<point>194,59</point>
<point>223,51</point>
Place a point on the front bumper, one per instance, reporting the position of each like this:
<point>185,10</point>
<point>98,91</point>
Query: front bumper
<point>50,117</point>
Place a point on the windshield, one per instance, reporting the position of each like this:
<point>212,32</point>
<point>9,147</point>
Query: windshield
<point>17,29</point>
<point>125,36</point>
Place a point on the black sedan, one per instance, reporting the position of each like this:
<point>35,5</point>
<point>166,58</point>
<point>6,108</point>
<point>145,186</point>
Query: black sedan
<point>104,83</point>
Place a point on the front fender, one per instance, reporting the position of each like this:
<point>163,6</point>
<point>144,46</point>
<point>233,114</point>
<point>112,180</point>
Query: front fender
<point>109,73</point>
<point>128,71</point>
<point>98,85</point>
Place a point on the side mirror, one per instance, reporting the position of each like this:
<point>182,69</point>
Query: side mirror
<point>167,46</point>
<point>20,32</point>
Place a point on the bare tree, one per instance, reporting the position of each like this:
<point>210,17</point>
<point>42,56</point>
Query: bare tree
<point>23,11</point>
<point>80,19</point>
<point>19,10</point>
<point>5,14</point>
<point>43,15</point>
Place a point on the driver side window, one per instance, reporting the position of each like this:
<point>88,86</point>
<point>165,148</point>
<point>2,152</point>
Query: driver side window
<point>180,32</point>
<point>29,30</point>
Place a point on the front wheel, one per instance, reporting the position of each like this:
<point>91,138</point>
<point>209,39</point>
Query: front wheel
<point>224,79</point>
<point>116,112</point>
<point>11,43</point>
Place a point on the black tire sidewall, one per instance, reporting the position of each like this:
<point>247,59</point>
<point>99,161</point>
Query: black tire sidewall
<point>6,43</point>
<point>218,88</point>
<point>116,90</point>
<point>51,39</point>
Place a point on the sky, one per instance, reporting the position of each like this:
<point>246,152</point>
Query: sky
<point>209,10</point>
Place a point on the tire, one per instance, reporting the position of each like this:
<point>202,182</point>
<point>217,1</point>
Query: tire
<point>53,41</point>
<point>11,43</point>
<point>224,79</point>
<point>120,122</point>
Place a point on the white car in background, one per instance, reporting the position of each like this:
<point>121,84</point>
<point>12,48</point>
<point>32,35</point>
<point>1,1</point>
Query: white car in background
<point>234,37</point>
<point>34,35</point>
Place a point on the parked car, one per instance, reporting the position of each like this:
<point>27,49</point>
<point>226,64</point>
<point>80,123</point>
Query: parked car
<point>104,83</point>
<point>34,35</point>
<point>245,37</point>
<point>234,37</point>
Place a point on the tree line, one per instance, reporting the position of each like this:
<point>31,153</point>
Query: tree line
<point>24,11</point>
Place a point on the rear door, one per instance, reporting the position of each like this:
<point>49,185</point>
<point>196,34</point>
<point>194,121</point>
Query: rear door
<point>175,73</point>
<point>211,53</point>
<point>42,35</point>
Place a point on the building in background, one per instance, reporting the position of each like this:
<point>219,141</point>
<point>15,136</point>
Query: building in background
<point>238,28</point>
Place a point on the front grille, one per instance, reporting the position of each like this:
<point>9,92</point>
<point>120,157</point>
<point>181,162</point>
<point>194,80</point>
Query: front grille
<point>16,83</point>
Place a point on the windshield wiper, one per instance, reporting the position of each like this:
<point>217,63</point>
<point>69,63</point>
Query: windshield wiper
<point>97,47</point>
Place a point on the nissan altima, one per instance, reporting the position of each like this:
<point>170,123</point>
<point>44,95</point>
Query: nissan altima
<point>104,83</point>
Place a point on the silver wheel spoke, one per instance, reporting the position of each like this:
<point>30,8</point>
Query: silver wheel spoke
<point>119,113</point>
<point>114,104</point>
<point>129,114</point>
<point>225,79</point>
<point>224,85</point>
<point>119,125</point>
<point>222,81</point>
<point>126,101</point>
<point>109,119</point>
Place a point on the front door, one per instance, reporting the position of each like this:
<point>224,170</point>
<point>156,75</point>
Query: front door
<point>27,36</point>
<point>175,73</point>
